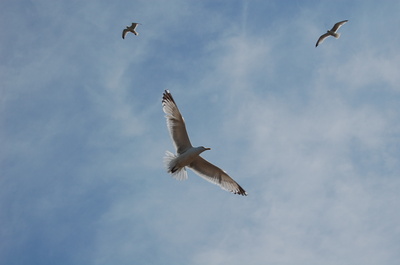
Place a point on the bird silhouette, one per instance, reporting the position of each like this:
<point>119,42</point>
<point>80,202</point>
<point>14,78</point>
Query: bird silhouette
<point>331,32</point>
<point>130,28</point>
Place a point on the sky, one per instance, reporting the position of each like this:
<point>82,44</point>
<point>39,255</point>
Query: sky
<point>312,134</point>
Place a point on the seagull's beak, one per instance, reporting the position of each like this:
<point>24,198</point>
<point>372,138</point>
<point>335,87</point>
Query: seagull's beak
<point>207,148</point>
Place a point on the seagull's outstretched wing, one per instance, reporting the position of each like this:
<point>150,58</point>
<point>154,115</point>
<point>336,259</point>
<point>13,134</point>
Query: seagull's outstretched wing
<point>134,25</point>
<point>133,28</point>
<point>124,32</point>
<point>322,38</point>
<point>216,175</point>
<point>338,25</point>
<point>175,123</point>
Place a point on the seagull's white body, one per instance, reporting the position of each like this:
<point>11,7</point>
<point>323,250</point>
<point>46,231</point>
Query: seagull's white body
<point>130,28</point>
<point>189,156</point>
<point>175,166</point>
<point>332,32</point>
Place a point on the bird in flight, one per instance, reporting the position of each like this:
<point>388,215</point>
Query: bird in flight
<point>331,32</point>
<point>189,156</point>
<point>130,28</point>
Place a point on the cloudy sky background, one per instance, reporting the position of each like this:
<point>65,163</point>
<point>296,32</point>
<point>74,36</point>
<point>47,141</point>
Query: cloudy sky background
<point>312,134</point>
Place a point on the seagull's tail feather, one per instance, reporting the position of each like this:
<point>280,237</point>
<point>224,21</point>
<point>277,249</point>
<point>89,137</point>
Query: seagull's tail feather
<point>336,35</point>
<point>170,166</point>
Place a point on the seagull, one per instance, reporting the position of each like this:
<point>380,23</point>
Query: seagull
<point>130,28</point>
<point>189,156</point>
<point>331,32</point>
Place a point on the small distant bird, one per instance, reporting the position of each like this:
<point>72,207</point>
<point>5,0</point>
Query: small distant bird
<point>331,32</point>
<point>189,156</point>
<point>130,28</point>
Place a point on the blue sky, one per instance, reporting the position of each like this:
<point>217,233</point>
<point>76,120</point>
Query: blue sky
<point>312,134</point>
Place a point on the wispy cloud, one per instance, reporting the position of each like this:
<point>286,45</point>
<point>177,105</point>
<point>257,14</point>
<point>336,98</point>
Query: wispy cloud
<point>310,133</point>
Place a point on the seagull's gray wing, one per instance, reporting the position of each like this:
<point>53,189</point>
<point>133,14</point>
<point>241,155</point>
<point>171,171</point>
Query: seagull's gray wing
<point>338,25</point>
<point>215,175</point>
<point>124,32</point>
<point>134,25</point>
<point>175,123</point>
<point>133,28</point>
<point>322,38</point>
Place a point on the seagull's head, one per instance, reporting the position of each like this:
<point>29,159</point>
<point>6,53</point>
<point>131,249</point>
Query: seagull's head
<point>198,150</point>
<point>202,148</point>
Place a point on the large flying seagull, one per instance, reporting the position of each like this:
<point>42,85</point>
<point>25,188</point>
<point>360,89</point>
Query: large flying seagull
<point>189,156</point>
